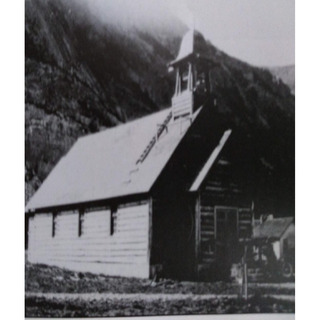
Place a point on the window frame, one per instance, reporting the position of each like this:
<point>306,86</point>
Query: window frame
<point>80,222</point>
<point>226,208</point>
<point>54,223</point>
<point>113,219</point>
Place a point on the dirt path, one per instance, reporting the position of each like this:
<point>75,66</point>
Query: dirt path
<point>141,296</point>
<point>127,296</point>
<point>285,285</point>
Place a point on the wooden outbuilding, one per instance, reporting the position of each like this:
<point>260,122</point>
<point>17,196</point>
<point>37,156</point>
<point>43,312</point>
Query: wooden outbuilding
<point>279,232</point>
<point>167,194</point>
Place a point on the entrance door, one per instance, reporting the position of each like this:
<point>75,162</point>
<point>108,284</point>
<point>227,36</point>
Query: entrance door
<point>226,238</point>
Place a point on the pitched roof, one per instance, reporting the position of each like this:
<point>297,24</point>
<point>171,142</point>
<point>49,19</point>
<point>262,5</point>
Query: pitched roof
<point>272,229</point>
<point>209,163</point>
<point>104,165</point>
<point>193,43</point>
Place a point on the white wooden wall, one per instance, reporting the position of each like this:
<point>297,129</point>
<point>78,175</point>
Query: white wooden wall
<point>125,253</point>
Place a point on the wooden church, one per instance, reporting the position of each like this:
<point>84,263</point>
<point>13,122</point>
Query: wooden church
<point>167,194</point>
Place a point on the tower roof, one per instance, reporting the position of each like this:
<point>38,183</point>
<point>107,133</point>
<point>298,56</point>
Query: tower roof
<point>193,44</point>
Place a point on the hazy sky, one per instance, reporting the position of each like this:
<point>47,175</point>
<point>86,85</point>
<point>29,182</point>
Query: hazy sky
<point>261,32</point>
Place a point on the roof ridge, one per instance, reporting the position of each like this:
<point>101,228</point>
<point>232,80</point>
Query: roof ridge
<point>121,125</point>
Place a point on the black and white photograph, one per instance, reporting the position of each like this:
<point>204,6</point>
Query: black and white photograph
<point>159,158</point>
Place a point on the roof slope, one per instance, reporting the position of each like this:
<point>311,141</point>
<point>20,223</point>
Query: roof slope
<point>209,163</point>
<point>103,165</point>
<point>272,228</point>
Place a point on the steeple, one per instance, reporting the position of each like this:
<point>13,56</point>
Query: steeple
<point>192,67</point>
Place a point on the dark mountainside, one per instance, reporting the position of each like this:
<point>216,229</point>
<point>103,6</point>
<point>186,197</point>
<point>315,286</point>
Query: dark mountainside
<point>286,74</point>
<point>82,76</point>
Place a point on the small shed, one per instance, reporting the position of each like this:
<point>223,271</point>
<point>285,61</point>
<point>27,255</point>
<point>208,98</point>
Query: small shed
<point>165,194</point>
<point>278,231</point>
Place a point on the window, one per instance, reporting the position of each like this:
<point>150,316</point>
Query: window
<point>226,223</point>
<point>54,223</point>
<point>184,80</point>
<point>113,220</point>
<point>81,221</point>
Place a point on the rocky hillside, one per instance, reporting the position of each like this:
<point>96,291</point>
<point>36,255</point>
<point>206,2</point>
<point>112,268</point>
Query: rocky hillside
<point>84,75</point>
<point>286,74</point>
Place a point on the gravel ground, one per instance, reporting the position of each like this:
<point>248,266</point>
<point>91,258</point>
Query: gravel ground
<point>41,278</point>
<point>42,307</point>
<point>54,292</point>
<point>145,296</point>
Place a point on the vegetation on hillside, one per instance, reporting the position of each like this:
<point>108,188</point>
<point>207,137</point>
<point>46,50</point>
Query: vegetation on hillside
<point>82,76</point>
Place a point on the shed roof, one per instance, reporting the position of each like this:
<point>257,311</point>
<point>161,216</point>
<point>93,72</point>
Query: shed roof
<point>272,229</point>
<point>104,165</point>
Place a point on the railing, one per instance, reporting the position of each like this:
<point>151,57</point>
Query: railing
<point>154,139</point>
<point>182,104</point>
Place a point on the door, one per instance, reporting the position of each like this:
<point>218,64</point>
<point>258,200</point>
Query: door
<point>226,238</point>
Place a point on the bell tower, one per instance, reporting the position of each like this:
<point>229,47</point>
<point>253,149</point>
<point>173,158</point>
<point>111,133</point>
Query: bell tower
<point>191,67</point>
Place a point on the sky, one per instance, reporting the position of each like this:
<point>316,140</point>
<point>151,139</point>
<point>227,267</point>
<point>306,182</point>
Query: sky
<point>260,32</point>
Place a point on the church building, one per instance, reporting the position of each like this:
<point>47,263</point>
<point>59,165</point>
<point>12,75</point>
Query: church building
<point>168,194</point>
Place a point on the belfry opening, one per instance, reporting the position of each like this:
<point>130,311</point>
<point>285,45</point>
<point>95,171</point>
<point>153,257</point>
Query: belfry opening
<point>192,69</point>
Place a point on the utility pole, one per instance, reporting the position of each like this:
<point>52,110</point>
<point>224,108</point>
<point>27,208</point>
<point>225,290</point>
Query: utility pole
<point>245,273</point>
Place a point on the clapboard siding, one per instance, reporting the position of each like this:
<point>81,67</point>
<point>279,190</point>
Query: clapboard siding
<point>123,253</point>
<point>93,246</point>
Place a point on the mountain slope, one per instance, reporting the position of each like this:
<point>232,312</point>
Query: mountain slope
<point>286,74</point>
<point>84,74</point>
